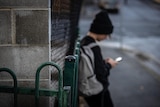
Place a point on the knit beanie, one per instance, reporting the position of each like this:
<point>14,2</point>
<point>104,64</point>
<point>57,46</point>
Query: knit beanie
<point>101,24</point>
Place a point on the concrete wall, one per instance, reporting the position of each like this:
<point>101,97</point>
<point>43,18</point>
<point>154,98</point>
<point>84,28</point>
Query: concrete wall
<point>33,32</point>
<point>24,45</point>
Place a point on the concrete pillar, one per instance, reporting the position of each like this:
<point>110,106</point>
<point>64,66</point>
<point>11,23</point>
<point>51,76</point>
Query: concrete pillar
<point>24,45</point>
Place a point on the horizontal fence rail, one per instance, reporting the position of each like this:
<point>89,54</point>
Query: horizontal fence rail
<point>37,91</point>
<point>67,92</point>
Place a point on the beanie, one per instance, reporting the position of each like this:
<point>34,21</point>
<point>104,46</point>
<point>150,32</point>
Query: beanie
<point>101,24</point>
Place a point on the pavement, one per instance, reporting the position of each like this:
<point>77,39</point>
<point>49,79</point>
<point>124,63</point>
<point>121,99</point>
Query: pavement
<point>144,58</point>
<point>132,83</point>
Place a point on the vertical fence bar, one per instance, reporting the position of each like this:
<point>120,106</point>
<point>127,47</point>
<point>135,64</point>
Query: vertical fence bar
<point>76,73</point>
<point>60,89</point>
<point>66,96</point>
<point>15,83</point>
<point>76,83</point>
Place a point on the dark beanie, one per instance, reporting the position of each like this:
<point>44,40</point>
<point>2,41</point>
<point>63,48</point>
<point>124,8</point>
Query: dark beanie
<point>101,24</point>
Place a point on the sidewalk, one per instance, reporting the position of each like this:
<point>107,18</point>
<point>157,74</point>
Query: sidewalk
<point>132,84</point>
<point>143,58</point>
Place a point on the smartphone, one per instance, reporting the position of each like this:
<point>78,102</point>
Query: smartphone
<point>118,59</point>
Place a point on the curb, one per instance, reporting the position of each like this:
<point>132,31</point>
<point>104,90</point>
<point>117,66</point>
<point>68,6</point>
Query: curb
<point>147,60</point>
<point>129,49</point>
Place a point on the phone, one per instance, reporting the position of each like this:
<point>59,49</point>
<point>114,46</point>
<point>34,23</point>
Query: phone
<point>118,59</point>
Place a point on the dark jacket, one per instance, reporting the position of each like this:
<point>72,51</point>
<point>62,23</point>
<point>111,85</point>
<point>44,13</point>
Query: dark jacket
<point>101,69</point>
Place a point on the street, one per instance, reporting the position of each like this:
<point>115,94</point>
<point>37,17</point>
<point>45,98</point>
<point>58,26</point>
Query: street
<point>135,82</point>
<point>136,25</point>
<point>131,83</point>
<point>139,25</point>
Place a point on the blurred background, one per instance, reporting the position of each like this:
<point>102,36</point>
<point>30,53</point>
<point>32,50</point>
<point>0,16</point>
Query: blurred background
<point>136,22</point>
<point>135,82</point>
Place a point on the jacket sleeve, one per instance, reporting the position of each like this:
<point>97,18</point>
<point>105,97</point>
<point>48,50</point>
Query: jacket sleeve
<point>101,69</point>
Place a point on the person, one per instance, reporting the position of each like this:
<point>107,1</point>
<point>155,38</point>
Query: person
<point>100,29</point>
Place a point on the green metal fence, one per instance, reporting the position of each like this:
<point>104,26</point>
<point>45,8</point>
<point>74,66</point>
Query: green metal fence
<point>71,74</point>
<point>67,92</point>
<point>12,89</point>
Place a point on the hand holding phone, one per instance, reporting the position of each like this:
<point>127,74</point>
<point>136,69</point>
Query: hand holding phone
<point>118,59</point>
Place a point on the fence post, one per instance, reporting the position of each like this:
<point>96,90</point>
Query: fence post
<point>69,77</point>
<point>77,52</point>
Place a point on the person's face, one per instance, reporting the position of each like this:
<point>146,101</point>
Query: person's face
<point>102,37</point>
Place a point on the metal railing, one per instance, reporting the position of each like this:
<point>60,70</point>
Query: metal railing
<point>67,92</point>
<point>37,91</point>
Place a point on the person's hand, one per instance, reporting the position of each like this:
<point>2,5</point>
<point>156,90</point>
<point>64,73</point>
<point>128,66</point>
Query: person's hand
<point>111,61</point>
